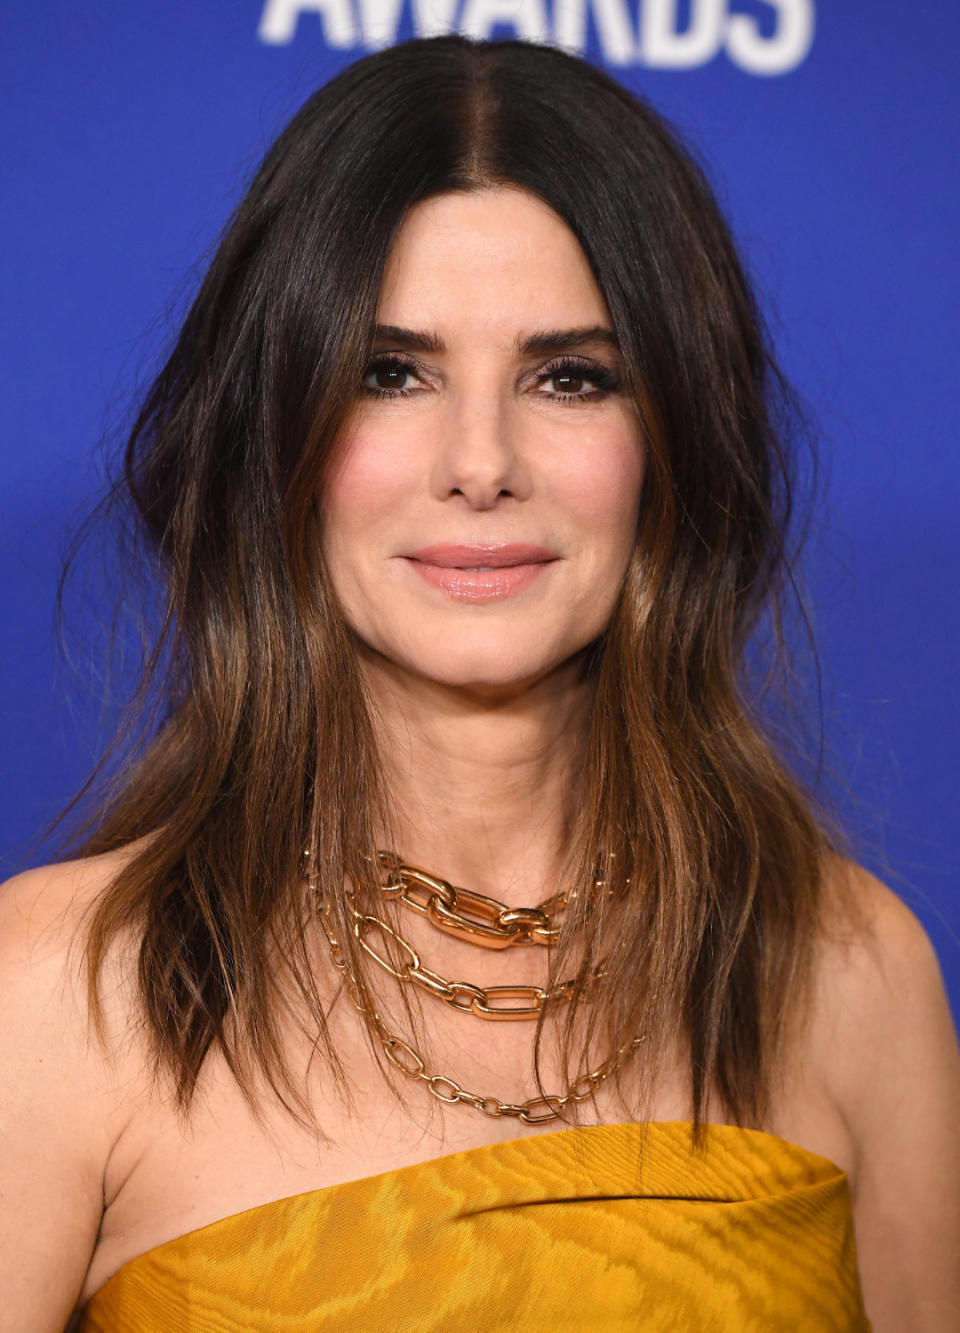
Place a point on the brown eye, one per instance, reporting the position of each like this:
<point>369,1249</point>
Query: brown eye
<point>572,381</point>
<point>389,377</point>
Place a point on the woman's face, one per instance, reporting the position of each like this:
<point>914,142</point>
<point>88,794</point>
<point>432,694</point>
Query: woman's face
<point>481,511</point>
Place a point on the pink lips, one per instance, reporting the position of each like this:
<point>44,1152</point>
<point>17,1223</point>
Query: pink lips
<point>481,573</point>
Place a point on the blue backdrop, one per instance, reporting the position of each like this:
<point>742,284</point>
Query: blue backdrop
<point>831,131</point>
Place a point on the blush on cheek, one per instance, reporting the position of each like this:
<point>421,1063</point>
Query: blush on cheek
<point>602,483</point>
<point>368,477</point>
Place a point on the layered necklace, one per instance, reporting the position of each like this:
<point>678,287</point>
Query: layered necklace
<point>480,921</point>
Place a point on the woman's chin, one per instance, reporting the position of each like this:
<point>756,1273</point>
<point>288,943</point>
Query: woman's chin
<point>490,676</point>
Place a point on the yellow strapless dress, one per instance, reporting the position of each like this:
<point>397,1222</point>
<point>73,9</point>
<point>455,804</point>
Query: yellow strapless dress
<point>590,1228</point>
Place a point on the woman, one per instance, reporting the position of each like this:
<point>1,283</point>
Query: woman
<point>465,482</point>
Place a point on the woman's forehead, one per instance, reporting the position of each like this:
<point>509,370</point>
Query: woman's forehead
<point>497,257</point>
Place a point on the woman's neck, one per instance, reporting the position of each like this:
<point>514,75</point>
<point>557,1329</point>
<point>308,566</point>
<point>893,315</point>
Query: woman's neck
<point>482,782</point>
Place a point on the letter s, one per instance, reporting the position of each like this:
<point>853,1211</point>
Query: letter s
<point>784,50</point>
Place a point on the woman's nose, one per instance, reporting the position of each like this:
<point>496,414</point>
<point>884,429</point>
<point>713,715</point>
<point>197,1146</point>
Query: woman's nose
<point>481,454</point>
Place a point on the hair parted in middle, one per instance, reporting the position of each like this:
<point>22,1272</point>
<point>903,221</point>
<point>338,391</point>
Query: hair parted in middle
<point>267,744</point>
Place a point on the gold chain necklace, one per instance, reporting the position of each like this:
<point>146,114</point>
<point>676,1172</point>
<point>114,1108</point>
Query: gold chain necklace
<point>466,915</point>
<point>470,916</point>
<point>489,1002</point>
<point>404,1057</point>
<point>491,924</point>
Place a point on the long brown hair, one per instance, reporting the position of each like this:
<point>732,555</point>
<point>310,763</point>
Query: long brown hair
<point>264,742</point>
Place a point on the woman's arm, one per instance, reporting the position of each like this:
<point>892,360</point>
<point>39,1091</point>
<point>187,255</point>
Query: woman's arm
<point>895,1067</point>
<point>57,1120</point>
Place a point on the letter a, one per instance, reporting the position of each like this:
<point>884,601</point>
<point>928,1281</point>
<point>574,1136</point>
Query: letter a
<point>278,22</point>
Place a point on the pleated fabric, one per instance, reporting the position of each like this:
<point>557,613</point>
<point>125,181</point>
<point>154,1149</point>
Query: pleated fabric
<point>596,1227</point>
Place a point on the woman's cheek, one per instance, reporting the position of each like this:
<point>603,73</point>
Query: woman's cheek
<point>602,479</point>
<point>374,470</point>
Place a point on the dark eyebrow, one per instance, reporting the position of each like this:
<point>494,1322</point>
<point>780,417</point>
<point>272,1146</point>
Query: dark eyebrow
<point>537,344</point>
<point>412,339</point>
<point>562,340</point>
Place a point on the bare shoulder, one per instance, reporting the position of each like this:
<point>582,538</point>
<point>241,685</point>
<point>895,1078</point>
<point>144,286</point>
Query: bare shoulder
<point>60,1106</point>
<point>41,908</point>
<point>44,915</point>
<point>893,1066</point>
<point>880,985</point>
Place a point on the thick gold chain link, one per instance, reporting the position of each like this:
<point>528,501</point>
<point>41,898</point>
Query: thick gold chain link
<point>468,915</point>
<point>489,1002</point>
